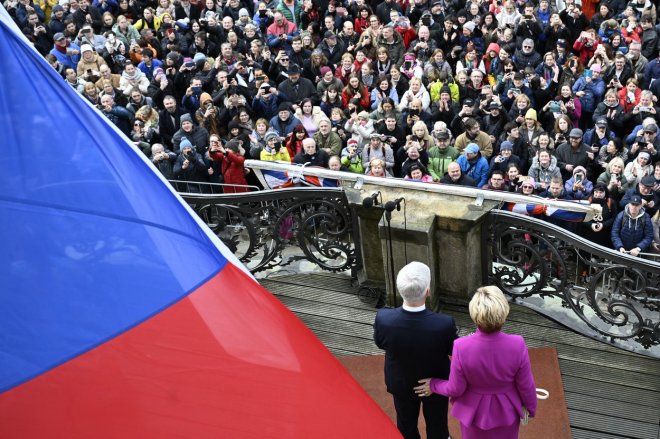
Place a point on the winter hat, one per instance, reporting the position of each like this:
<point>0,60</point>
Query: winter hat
<point>493,47</point>
<point>596,68</point>
<point>445,89</point>
<point>363,115</point>
<point>284,106</point>
<point>579,169</point>
<point>531,114</point>
<point>645,155</point>
<point>185,118</point>
<point>271,135</point>
<point>506,145</point>
<point>324,70</point>
<point>158,71</point>
<point>469,26</point>
<point>243,13</point>
<point>57,8</point>
<point>185,143</point>
<point>352,142</point>
<point>529,180</point>
<point>636,199</point>
<point>86,48</point>
<point>472,148</point>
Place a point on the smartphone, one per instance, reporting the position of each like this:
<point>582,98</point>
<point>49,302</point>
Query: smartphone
<point>578,178</point>
<point>189,64</point>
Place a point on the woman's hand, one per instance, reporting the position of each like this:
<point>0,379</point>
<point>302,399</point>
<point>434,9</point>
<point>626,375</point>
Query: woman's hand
<point>424,389</point>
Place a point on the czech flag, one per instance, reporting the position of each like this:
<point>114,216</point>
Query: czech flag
<point>121,314</point>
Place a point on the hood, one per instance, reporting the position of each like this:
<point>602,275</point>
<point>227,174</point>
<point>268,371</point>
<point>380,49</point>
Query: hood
<point>636,217</point>
<point>204,98</point>
<point>493,46</point>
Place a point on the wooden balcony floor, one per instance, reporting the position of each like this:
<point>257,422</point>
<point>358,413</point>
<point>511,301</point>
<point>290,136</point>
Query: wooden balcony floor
<point>610,393</point>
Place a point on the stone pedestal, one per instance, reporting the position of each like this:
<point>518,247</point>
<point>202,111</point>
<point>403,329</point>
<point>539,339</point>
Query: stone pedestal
<point>442,231</point>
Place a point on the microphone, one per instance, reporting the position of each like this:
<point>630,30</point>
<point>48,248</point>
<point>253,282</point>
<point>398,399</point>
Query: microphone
<point>371,200</point>
<point>396,204</point>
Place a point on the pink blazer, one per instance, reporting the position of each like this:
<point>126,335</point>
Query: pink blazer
<point>489,381</point>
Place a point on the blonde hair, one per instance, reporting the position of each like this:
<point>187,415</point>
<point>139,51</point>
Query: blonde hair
<point>489,308</point>
<point>616,160</point>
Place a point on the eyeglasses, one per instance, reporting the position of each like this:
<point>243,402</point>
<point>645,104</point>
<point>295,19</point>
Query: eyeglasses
<point>526,186</point>
<point>285,60</point>
<point>527,47</point>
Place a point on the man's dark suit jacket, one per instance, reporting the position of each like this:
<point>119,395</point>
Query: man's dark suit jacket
<point>416,346</point>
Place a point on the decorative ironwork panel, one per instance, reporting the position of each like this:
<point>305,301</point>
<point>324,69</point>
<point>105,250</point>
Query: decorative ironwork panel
<point>595,290</point>
<point>264,229</point>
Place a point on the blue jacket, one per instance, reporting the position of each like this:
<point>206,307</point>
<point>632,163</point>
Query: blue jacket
<point>477,168</point>
<point>67,60</point>
<point>630,232</point>
<point>283,128</point>
<point>594,92</point>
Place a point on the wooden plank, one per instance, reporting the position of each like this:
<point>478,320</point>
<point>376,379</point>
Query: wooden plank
<point>634,380</point>
<point>305,306</point>
<point>578,433</point>
<point>630,410</point>
<point>613,392</point>
<point>620,427</point>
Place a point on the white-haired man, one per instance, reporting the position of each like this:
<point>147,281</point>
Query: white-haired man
<point>416,341</point>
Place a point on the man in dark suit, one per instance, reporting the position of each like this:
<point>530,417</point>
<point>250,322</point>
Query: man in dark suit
<point>417,342</point>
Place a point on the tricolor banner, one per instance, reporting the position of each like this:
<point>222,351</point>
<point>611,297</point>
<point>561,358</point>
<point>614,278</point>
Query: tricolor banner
<point>121,314</point>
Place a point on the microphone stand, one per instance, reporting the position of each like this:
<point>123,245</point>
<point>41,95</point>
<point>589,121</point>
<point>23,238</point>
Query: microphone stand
<point>388,218</point>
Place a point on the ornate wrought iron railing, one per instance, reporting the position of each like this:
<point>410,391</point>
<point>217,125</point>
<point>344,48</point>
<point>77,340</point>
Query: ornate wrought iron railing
<point>268,229</point>
<point>594,290</point>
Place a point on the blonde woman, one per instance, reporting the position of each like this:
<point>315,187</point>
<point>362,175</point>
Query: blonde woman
<point>416,90</point>
<point>613,177</point>
<point>490,381</point>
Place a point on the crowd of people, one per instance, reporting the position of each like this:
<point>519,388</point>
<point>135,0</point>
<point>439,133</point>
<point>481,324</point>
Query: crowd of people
<point>557,99</point>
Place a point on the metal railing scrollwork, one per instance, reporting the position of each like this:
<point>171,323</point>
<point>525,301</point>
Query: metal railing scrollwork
<point>606,295</point>
<point>265,229</point>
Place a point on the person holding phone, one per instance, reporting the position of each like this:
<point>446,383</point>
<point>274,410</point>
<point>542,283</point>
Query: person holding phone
<point>578,186</point>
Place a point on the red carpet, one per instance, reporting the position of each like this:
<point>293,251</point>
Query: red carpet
<point>551,419</point>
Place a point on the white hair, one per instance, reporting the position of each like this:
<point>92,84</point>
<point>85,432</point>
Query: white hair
<point>413,281</point>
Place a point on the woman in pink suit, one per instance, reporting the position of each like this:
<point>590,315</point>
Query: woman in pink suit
<point>490,379</point>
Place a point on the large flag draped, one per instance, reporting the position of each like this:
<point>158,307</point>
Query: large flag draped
<point>121,315</point>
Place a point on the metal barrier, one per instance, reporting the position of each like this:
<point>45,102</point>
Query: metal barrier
<point>596,291</point>
<point>265,229</point>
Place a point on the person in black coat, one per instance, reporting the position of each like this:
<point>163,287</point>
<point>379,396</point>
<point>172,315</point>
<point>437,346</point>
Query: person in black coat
<point>598,231</point>
<point>311,156</point>
<point>417,344</point>
<point>295,88</point>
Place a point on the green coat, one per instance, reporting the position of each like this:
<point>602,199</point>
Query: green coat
<point>439,160</point>
<point>297,9</point>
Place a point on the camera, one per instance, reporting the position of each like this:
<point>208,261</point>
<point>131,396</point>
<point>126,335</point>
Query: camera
<point>189,65</point>
<point>259,78</point>
<point>527,17</point>
<point>642,145</point>
<point>413,112</point>
<point>644,108</point>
